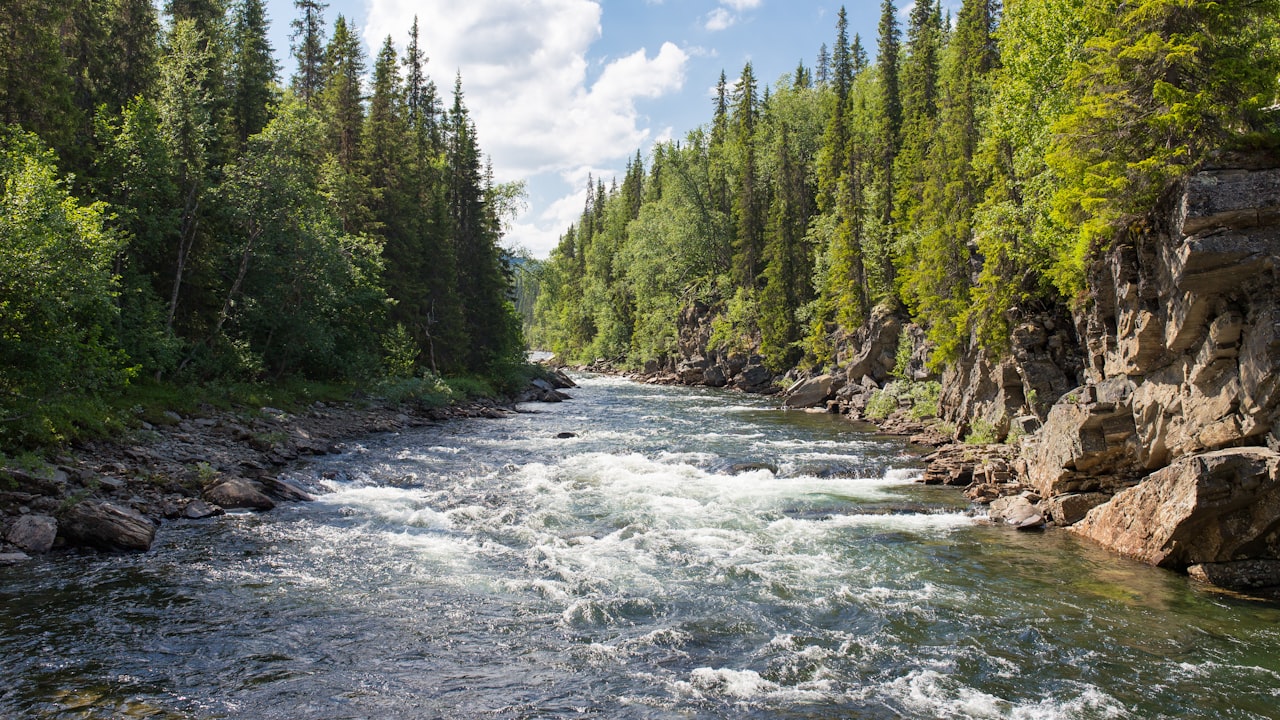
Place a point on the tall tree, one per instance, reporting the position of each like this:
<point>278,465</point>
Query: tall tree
<point>938,273</point>
<point>35,87</point>
<point>253,70</point>
<point>308,49</point>
<point>748,194</point>
<point>889,137</point>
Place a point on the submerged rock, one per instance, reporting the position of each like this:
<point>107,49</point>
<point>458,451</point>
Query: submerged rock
<point>107,526</point>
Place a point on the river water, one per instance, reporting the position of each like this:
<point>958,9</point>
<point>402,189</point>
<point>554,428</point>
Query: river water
<point>688,554</point>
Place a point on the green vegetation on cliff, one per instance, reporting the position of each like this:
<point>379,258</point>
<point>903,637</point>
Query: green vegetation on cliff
<point>969,172</point>
<point>169,211</point>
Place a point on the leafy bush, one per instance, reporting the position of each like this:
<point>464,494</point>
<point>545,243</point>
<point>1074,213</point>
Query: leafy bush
<point>981,432</point>
<point>881,404</point>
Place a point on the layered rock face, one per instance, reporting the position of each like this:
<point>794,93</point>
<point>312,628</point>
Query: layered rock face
<point>1182,383</point>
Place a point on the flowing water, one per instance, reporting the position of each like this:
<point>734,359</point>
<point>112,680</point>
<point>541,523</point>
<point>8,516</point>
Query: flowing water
<point>688,554</point>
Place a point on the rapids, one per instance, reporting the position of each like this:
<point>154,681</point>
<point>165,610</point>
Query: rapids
<point>687,554</point>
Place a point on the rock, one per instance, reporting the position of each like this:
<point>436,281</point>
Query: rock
<point>754,378</point>
<point>238,493</point>
<point>715,376</point>
<point>565,435</point>
<point>1228,200</point>
<point>542,385</point>
<point>198,509</point>
<point>1066,510</point>
<point>286,490</point>
<point>1017,511</point>
<point>107,526</point>
<point>13,558</point>
<point>811,393</point>
<point>1214,507</point>
<point>33,533</point>
<point>1089,443</point>
<point>1239,575</point>
<point>47,480</point>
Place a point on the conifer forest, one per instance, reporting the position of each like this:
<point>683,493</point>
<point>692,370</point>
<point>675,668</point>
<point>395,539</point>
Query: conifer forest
<point>174,209</point>
<point>965,168</point>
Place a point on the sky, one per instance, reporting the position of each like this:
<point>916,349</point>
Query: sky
<point>563,90</point>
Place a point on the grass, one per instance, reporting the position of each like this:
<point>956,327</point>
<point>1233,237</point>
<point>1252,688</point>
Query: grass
<point>151,402</point>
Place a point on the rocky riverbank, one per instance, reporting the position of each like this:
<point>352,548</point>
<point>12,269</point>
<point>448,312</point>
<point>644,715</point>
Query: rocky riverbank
<point>1145,418</point>
<point>114,495</point>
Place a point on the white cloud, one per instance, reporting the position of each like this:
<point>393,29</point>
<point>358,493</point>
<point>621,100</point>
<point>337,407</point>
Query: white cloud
<point>524,66</point>
<point>720,19</point>
<point>741,5</point>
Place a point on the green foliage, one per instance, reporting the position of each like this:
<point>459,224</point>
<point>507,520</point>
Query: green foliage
<point>58,353</point>
<point>981,432</point>
<point>881,405</point>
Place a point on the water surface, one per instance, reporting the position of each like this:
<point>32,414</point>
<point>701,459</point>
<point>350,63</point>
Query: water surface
<point>688,554</point>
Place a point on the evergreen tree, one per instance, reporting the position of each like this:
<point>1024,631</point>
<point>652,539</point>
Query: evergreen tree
<point>253,71</point>
<point>132,50</point>
<point>36,91</point>
<point>748,199</point>
<point>308,49</point>
<point>889,138</point>
<point>938,275</point>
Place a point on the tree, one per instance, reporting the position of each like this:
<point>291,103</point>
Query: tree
<point>1162,86</point>
<point>308,49</point>
<point>748,200</point>
<point>35,86</point>
<point>57,315</point>
<point>937,276</point>
<point>252,72</point>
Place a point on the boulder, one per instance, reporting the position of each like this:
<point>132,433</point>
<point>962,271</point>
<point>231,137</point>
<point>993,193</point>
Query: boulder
<point>1066,510</point>
<point>286,490</point>
<point>13,558</point>
<point>1240,575</point>
<point>46,480</point>
<point>1215,507</point>
<point>811,393</point>
<point>1015,510</point>
<point>715,376</point>
<point>238,493</point>
<point>33,533</point>
<point>754,378</point>
<point>1089,443</point>
<point>198,509</point>
<point>107,526</point>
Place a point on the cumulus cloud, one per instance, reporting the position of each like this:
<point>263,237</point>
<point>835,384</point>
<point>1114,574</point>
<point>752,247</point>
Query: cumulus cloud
<point>720,19</point>
<point>724,17</point>
<point>525,74</point>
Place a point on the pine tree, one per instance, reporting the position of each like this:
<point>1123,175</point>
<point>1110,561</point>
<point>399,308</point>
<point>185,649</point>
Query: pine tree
<point>748,196</point>
<point>36,91</point>
<point>889,138</point>
<point>253,71</point>
<point>132,45</point>
<point>938,274</point>
<point>308,49</point>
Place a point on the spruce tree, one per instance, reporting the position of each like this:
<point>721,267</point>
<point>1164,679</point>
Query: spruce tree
<point>253,70</point>
<point>308,49</point>
<point>748,193</point>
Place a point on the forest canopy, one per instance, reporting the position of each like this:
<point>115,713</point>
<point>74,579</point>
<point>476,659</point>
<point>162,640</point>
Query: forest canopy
<point>966,171</point>
<point>173,209</point>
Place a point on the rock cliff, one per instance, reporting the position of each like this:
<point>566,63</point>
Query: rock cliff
<point>1180,398</point>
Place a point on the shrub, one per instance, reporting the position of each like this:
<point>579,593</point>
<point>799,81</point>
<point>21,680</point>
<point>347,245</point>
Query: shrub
<point>981,432</point>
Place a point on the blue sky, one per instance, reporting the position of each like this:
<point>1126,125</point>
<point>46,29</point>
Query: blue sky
<point>560,89</point>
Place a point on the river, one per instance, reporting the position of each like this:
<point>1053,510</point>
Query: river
<point>686,554</point>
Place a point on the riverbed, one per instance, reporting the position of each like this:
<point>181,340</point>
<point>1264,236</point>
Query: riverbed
<point>637,552</point>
